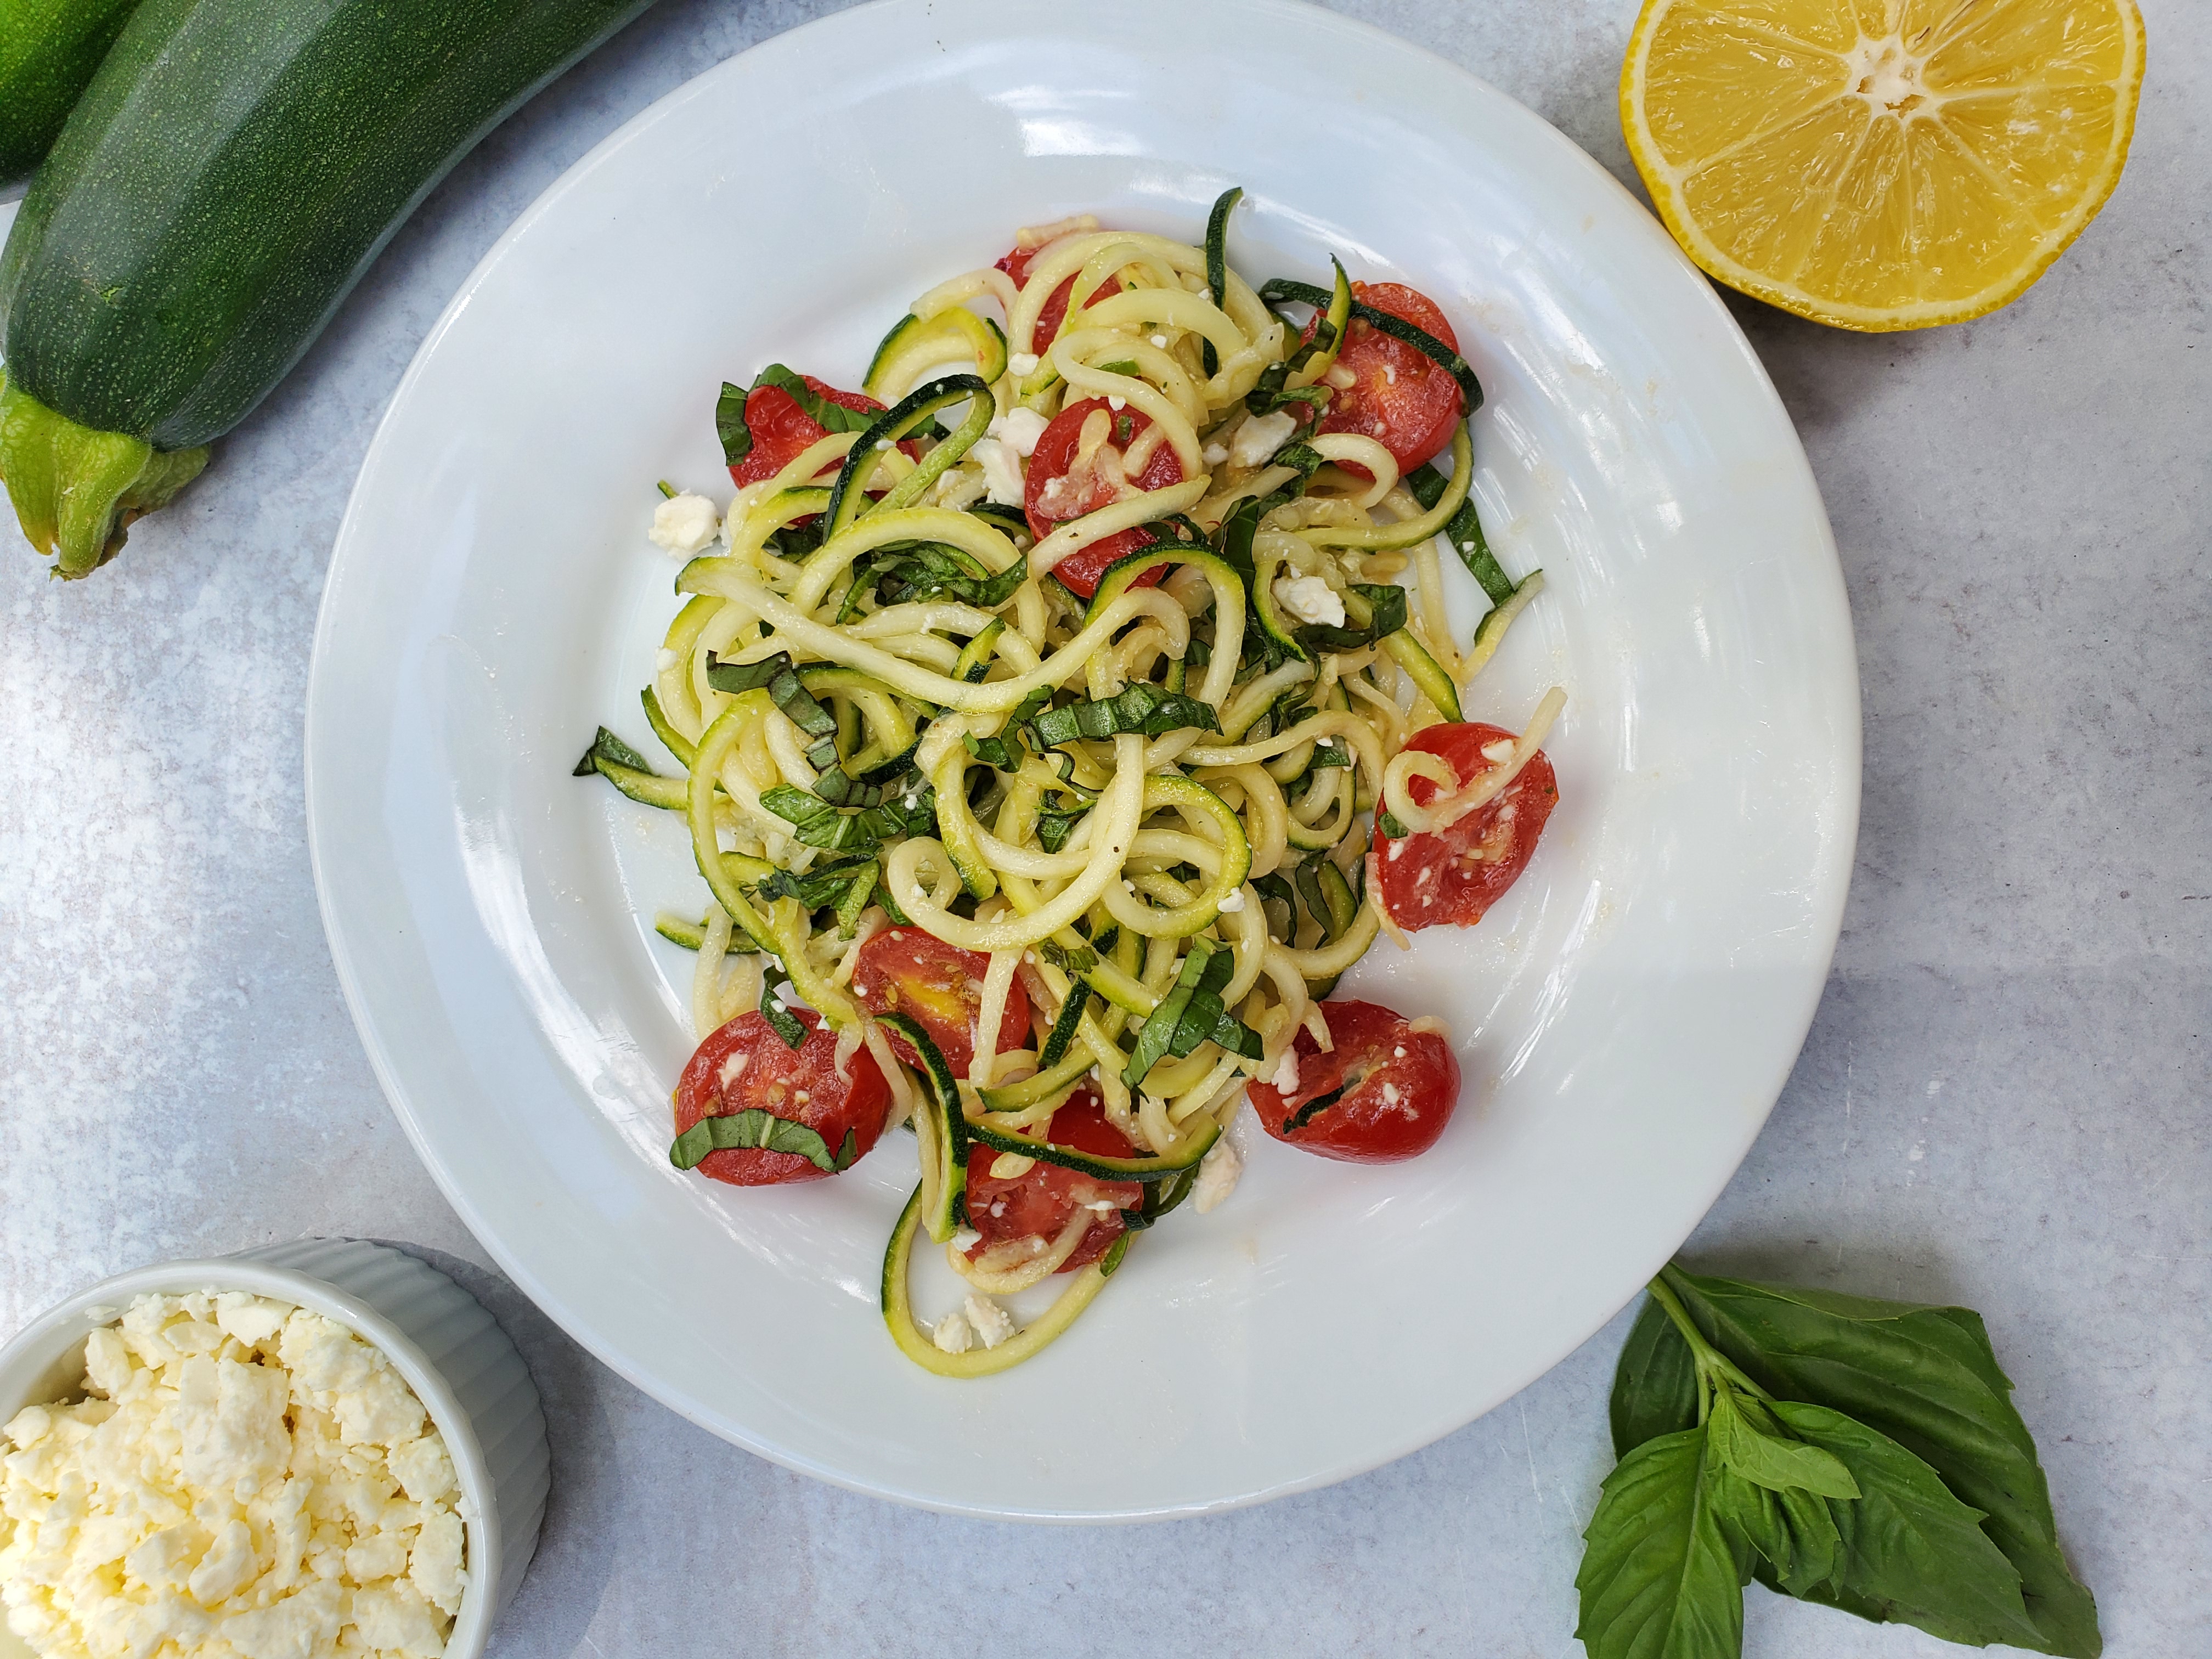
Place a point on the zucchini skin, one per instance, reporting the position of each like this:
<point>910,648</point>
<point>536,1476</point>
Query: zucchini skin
<point>49,51</point>
<point>228,175</point>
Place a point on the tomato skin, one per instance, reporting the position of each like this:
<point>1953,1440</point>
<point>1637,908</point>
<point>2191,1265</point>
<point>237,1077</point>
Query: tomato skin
<point>781,429</point>
<point>774,1077</point>
<point>905,970</point>
<point>1456,875</point>
<point>1055,451</point>
<point>1376,1051</point>
<point>1401,397</point>
<point>1016,265</point>
<point>1037,1204</point>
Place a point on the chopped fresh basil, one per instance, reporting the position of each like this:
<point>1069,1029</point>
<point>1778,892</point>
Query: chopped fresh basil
<point>992,751</point>
<point>829,416</point>
<point>730,424</point>
<point>1464,532</point>
<point>1312,1110</point>
<point>608,747</point>
<point>1386,604</point>
<point>781,1019</point>
<point>1140,709</point>
<point>754,1129</point>
<point>1280,290</point>
<point>1191,1013</point>
<point>1391,827</point>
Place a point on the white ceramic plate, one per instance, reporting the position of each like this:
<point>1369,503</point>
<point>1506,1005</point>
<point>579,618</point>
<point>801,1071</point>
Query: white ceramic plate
<point>1624,1020</point>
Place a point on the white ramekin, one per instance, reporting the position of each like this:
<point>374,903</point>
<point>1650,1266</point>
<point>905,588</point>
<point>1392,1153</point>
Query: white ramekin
<point>452,1353</point>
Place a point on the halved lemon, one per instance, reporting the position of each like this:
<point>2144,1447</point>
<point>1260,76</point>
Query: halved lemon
<point>1880,164</point>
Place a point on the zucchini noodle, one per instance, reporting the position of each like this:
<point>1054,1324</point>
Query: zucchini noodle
<point>893,703</point>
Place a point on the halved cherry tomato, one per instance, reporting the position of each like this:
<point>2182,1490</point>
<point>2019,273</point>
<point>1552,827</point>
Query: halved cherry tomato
<point>781,429</point>
<point>1400,396</point>
<point>1050,500</point>
<point>1460,872</point>
<point>905,970</point>
<point>1037,1203</point>
<point>1388,1088</point>
<point>1016,265</point>
<point>745,1064</point>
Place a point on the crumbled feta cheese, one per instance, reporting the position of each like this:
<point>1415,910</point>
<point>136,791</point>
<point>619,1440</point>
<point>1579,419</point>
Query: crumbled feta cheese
<point>1389,1094</point>
<point>684,524</point>
<point>1215,454</point>
<point>1233,902</point>
<point>965,1239</point>
<point>952,1334</point>
<point>992,1322</point>
<point>1022,363</point>
<point>1499,752</point>
<point>1002,470</point>
<point>1117,404</point>
<point>1218,1172</point>
<point>664,659</point>
<point>1310,599</point>
<point>1341,377</point>
<point>234,1477</point>
<point>1160,341</point>
<point>1018,429</point>
<point>1259,438</point>
<point>1286,1079</point>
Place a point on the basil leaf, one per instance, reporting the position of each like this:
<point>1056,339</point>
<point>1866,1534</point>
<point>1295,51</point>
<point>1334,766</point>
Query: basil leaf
<point>1143,708</point>
<point>1312,1110</point>
<point>1655,1386</point>
<point>1744,1444</point>
<point>1391,827</point>
<point>992,751</point>
<point>870,787</point>
<point>780,678</point>
<point>1062,1035</point>
<point>1927,1378</point>
<point>608,747</point>
<point>830,416</point>
<point>756,1129</point>
<point>785,1024</point>
<point>1794,1531</point>
<point>1328,752</point>
<point>815,822</point>
<point>730,424</point>
<point>1068,961</point>
<point>1660,1578</point>
<point>1053,828</point>
<point>824,884</point>
<point>1911,1552</point>
<point>1278,290</point>
<point>1464,532</point>
<point>917,570</point>
<point>1268,392</point>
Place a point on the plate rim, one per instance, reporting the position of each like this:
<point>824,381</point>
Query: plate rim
<point>1831,884</point>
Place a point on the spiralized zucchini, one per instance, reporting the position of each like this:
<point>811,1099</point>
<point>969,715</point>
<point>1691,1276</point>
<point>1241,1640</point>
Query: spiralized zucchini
<point>888,709</point>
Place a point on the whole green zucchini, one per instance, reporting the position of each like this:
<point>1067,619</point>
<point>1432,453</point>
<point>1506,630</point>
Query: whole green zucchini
<point>220,185</point>
<point>48,50</point>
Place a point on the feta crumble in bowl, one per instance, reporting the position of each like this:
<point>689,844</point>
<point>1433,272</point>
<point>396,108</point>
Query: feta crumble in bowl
<point>332,1448</point>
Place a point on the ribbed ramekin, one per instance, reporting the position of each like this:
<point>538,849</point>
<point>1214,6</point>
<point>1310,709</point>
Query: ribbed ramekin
<point>460,1363</point>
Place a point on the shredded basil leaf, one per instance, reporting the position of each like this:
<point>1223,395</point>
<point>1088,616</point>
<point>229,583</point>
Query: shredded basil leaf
<point>781,1019</point>
<point>608,747</point>
<point>1279,289</point>
<point>992,751</point>
<point>1068,961</point>
<point>755,1129</point>
<point>1464,532</point>
<point>730,426</point>
<point>1391,827</point>
<point>1306,1114</point>
<point>1141,708</point>
<point>830,416</point>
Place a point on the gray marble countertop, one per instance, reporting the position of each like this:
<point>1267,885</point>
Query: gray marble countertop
<point>2003,1102</point>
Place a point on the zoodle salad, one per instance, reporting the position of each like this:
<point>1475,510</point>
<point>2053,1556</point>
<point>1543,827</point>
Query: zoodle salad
<point>1055,729</point>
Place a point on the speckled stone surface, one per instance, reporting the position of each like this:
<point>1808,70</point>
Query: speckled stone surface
<point>2002,1101</point>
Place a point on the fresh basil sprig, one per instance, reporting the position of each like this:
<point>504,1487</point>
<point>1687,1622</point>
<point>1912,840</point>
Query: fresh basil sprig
<point>755,1129</point>
<point>1862,1455</point>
